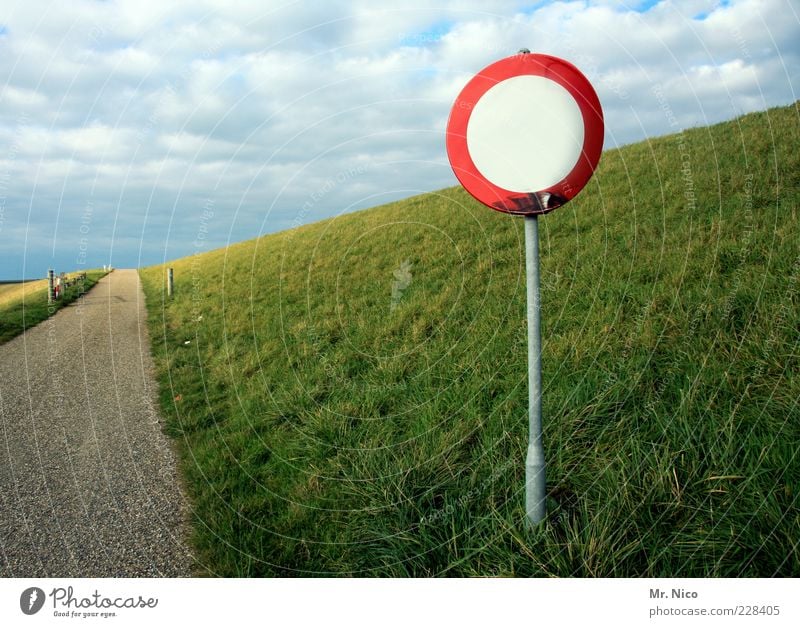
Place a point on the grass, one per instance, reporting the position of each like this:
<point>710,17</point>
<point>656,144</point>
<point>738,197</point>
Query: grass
<point>24,305</point>
<point>12,292</point>
<point>349,397</point>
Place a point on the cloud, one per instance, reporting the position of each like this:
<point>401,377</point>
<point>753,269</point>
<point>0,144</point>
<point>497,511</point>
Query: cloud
<point>146,112</point>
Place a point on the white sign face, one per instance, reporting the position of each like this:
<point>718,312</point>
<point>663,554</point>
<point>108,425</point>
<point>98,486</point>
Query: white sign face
<point>525,133</point>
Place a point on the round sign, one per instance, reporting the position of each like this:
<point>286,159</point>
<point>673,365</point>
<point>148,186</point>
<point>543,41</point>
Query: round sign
<point>525,134</point>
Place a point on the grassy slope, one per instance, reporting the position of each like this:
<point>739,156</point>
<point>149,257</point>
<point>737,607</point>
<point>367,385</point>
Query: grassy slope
<point>10,292</point>
<point>25,305</point>
<point>324,431</point>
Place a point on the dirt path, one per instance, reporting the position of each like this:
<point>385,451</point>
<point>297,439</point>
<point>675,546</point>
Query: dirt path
<point>88,481</point>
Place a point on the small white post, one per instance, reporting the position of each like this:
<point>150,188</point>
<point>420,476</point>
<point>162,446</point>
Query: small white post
<point>50,286</point>
<point>535,492</point>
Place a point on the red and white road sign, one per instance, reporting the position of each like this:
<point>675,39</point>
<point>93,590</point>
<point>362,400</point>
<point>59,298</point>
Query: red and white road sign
<point>525,134</point>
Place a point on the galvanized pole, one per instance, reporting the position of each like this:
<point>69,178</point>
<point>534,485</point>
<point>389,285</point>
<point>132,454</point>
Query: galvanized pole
<point>534,463</point>
<point>50,287</point>
<point>170,284</point>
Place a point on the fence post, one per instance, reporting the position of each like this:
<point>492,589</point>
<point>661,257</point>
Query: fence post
<point>170,285</point>
<point>50,286</point>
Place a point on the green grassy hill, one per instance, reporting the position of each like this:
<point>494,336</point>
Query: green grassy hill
<point>350,396</point>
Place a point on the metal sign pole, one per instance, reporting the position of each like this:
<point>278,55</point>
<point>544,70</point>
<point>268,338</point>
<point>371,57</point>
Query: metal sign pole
<point>534,463</point>
<point>523,107</point>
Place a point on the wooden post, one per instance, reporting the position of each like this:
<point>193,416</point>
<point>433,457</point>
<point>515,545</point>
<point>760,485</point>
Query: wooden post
<point>50,286</point>
<point>170,285</point>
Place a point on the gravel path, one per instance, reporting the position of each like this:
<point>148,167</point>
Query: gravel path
<point>88,481</point>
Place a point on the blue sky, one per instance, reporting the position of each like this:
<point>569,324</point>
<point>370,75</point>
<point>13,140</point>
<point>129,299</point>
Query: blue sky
<point>131,127</point>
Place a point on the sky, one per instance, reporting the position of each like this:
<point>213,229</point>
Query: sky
<point>137,131</point>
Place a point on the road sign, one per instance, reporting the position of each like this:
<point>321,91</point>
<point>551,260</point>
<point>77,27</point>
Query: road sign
<point>524,137</point>
<point>525,134</point>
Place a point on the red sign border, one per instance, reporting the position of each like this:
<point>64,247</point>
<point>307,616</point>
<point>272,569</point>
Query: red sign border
<point>541,201</point>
